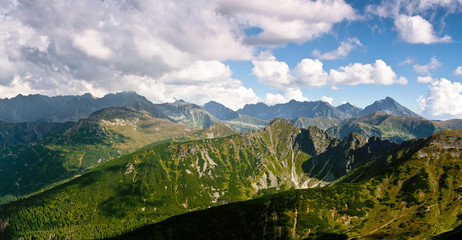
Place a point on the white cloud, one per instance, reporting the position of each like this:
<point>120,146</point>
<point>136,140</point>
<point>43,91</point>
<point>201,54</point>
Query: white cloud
<point>287,21</point>
<point>414,20</point>
<point>98,45</point>
<point>342,51</point>
<point>284,96</point>
<point>393,8</point>
<point>432,65</point>
<point>357,73</point>
<point>415,29</point>
<point>310,73</point>
<point>327,99</point>
<point>92,43</point>
<point>270,71</point>
<point>443,99</point>
<point>200,82</point>
<point>426,79</point>
<point>458,71</point>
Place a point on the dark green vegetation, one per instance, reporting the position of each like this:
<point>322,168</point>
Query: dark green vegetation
<point>415,195</point>
<point>378,190</point>
<point>12,134</point>
<point>107,134</point>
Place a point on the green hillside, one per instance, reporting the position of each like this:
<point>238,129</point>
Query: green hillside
<point>416,195</point>
<point>374,189</point>
<point>107,134</point>
<point>168,179</point>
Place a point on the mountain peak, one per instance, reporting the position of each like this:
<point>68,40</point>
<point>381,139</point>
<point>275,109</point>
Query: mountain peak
<point>390,106</point>
<point>283,121</point>
<point>220,111</point>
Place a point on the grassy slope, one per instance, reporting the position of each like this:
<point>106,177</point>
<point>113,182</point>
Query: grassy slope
<point>106,135</point>
<point>417,195</point>
<point>164,180</point>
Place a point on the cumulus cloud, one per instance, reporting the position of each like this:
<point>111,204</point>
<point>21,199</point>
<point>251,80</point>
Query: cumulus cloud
<point>311,73</point>
<point>415,29</point>
<point>57,47</point>
<point>357,73</point>
<point>342,51</point>
<point>270,71</point>
<point>287,21</point>
<point>161,49</point>
<point>211,81</point>
<point>432,65</point>
<point>458,71</point>
<point>443,99</point>
<point>284,96</point>
<point>327,99</point>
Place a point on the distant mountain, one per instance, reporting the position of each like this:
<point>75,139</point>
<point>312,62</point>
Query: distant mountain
<point>245,124</point>
<point>69,108</point>
<point>217,130</point>
<point>323,123</point>
<point>188,114</point>
<point>292,110</point>
<point>391,127</point>
<point>379,124</point>
<point>220,111</point>
<point>390,106</point>
<point>350,109</point>
<point>451,123</point>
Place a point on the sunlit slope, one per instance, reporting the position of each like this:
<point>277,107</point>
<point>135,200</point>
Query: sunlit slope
<point>416,195</point>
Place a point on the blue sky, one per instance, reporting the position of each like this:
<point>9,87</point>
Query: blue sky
<point>238,52</point>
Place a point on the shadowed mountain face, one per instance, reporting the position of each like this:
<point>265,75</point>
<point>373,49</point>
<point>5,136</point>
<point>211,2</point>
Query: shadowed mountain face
<point>350,109</point>
<point>12,134</point>
<point>415,194</point>
<point>220,111</point>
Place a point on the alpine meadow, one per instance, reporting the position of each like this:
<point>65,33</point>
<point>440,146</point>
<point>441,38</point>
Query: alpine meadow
<point>231,119</point>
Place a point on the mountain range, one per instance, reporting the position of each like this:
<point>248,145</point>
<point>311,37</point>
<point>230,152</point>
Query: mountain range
<point>138,170</point>
<point>359,188</point>
<point>73,108</point>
